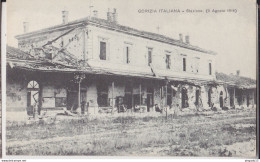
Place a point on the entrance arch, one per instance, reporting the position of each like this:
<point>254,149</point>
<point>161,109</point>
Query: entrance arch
<point>33,91</point>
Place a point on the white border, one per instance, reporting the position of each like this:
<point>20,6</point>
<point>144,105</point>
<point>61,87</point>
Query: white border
<point>80,158</point>
<point>3,75</point>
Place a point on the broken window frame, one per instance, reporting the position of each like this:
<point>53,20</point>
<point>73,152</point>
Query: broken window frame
<point>33,85</point>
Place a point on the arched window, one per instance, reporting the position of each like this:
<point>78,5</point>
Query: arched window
<point>33,85</point>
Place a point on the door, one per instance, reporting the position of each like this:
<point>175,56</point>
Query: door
<point>149,102</point>
<point>72,100</point>
<point>209,98</point>
<point>149,98</point>
<point>197,97</point>
<point>33,90</point>
<point>128,101</point>
<point>232,97</point>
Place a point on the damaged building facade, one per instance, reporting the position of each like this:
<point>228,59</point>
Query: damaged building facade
<point>110,68</point>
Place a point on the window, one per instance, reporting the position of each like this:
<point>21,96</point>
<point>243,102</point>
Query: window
<point>210,72</point>
<point>184,64</point>
<point>168,61</point>
<point>196,65</point>
<point>149,56</point>
<point>127,52</point>
<point>127,55</point>
<point>33,85</point>
<point>103,51</point>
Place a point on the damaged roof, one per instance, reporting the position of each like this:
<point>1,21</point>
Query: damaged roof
<point>120,28</point>
<point>23,60</point>
<point>238,81</point>
<point>16,53</point>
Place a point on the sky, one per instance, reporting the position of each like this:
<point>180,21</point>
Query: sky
<point>232,35</point>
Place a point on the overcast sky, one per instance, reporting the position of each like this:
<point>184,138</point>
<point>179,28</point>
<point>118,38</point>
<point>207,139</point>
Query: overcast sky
<point>231,35</point>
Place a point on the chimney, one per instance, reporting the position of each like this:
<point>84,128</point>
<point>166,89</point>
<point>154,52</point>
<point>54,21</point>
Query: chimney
<point>65,15</point>
<point>238,72</point>
<point>95,13</point>
<point>25,27</point>
<point>187,39</point>
<point>109,15</point>
<point>114,15</point>
<point>181,37</point>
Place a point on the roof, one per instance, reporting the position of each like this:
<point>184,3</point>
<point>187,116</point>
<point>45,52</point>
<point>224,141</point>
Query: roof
<point>16,53</point>
<point>239,81</point>
<point>15,59</point>
<point>120,28</point>
<point>22,60</point>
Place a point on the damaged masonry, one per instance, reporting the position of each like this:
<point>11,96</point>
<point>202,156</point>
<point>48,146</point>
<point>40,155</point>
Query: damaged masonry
<point>95,66</point>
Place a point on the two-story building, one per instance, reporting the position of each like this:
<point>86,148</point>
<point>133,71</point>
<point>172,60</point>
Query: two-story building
<point>102,64</point>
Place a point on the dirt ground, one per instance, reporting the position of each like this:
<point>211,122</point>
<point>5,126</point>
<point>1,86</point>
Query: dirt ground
<point>205,134</point>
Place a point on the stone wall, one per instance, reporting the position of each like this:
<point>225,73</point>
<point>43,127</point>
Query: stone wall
<point>16,96</point>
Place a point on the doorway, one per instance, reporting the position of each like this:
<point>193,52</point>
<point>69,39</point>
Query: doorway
<point>221,102</point>
<point>128,99</point>
<point>209,97</point>
<point>184,98</point>
<point>72,99</point>
<point>197,97</point>
<point>232,99</point>
<point>149,98</point>
<point>33,97</point>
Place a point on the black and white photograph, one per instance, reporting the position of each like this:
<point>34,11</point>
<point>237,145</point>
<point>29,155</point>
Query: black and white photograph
<point>131,78</point>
